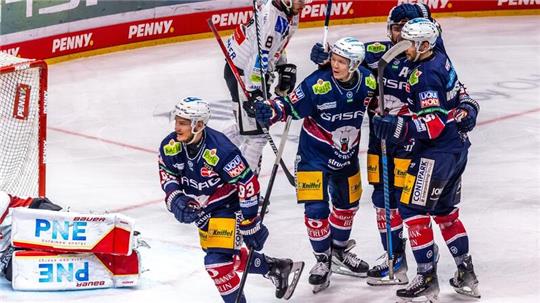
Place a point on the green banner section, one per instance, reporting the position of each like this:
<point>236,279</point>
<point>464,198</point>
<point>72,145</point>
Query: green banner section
<point>21,15</point>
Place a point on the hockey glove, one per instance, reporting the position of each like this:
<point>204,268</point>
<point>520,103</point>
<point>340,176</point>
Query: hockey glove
<point>286,80</point>
<point>390,127</point>
<point>44,203</point>
<point>268,112</point>
<point>184,208</point>
<point>318,54</point>
<point>254,233</point>
<point>249,104</point>
<point>466,113</point>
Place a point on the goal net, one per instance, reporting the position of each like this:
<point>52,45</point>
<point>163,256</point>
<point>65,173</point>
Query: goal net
<point>23,91</point>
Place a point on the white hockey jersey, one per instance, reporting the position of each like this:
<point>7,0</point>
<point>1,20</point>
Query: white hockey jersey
<point>276,28</point>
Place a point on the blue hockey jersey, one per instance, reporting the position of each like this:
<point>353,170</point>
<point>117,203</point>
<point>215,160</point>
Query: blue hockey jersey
<point>433,96</point>
<point>217,177</point>
<point>332,116</point>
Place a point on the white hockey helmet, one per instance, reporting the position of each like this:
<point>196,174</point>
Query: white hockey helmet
<point>419,30</point>
<point>194,109</point>
<point>352,49</point>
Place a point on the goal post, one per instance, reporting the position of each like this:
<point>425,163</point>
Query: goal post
<point>23,125</point>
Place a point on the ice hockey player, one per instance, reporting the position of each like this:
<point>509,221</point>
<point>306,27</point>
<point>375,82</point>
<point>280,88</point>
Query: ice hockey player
<point>332,102</point>
<point>278,21</point>
<point>399,155</point>
<point>432,185</point>
<point>7,202</point>
<point>208,182</point>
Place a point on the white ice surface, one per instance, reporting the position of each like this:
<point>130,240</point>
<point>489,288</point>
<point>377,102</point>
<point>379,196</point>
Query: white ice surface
<point>107,117</point>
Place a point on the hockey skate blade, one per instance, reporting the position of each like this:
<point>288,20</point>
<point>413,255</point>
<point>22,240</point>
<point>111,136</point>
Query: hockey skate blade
<point>319,288</point>
<point>384,281</point>
<point>423,299</point>
<point>296,270</point>
<point>338,269</point>
<point>469,291</point>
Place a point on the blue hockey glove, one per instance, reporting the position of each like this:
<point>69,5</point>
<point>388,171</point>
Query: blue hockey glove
<point>184,208</point>
<point>254,233</point>
<point>389,127</point>
<point>268,112</point>
<point>318,54</point>
<point>466,113</point>
<point>249,104</point>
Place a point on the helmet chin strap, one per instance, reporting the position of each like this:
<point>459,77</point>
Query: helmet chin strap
<point>194,133</point>
<point>418,52</point>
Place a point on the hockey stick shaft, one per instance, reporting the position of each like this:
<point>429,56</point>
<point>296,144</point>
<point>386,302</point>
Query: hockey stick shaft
<point>236,74</point>
<point>265,88</point>
<point>327,22</point>
<point>265,205</point>
<point>387,57</point>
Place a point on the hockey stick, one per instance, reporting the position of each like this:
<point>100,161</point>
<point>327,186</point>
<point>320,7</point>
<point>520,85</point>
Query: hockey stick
<point>327,22</point>
<point>236,74</point>
<point>264,206</point>
<point>265,91</point>
<point>387,57</point>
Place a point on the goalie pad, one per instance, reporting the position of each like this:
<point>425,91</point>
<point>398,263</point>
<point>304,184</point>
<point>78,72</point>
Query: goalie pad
<point>72,232</point>
<point>39,270</point>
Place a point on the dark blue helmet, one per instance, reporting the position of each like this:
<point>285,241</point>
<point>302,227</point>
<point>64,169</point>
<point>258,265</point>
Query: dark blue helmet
<point>404,12</point>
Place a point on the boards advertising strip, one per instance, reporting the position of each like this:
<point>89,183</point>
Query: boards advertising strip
<point>190,26</point>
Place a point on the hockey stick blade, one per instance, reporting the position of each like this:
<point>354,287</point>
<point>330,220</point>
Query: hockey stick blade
<point>296,270</point>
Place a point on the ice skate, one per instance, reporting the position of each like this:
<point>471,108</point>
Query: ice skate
<point>319,276</point>
<point>347,263</point>
<point>464,281</point>
<point>280,274</point>
<point>423,288</point>
<point>379,274</point>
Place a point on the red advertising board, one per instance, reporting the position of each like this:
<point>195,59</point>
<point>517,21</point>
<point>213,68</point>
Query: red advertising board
<point>161,29</point>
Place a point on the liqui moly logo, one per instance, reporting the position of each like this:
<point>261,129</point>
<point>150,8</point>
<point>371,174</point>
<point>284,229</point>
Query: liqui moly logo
<point>72,42</point>
<point>150,29</point>
<point>319,9</point>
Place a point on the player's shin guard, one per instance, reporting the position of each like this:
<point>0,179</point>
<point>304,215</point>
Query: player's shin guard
<point>421,238</point>
<point>220,268</point>
<point>341,221</point>
<point>454,234</point>
<point>319,234</point>
<point>396,224</point>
